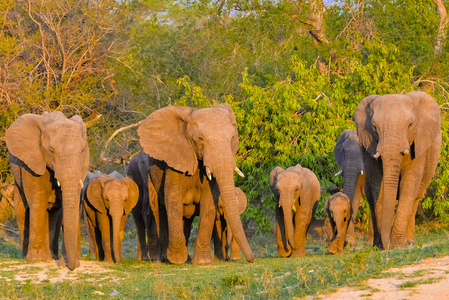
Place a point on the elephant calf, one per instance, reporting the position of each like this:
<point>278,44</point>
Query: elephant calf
<point>108,201</point>
<point>223,238</point>
<point>297,191</point>
<point>338,215</point>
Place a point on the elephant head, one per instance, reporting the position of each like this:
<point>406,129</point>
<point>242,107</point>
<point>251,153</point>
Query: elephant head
<point>52,141</point>
<point>396,128</point>
<point>182,136</point>
<point>114,197</point>
<point>287,188</point>
<point>338,211</point>
<point>349,157</point>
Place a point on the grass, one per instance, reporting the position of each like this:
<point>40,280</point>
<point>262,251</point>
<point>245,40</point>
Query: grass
<point>269,277</point>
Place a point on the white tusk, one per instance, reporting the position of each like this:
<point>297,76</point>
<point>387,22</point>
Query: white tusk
<point>81,183</point>
<point>239,172</point>
<point>208,173</point>
<point>406,152</point>
<point>376,156</point>
<point>361,172</point>
<point>57,181</point>
<point>338,173</point>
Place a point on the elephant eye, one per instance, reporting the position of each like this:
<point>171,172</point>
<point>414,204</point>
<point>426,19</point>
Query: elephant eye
<point>52,150</point>
<point>410,125</point>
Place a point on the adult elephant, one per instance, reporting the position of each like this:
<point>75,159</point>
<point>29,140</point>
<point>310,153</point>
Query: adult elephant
<point>348,154</point>
<point>109,199</point>
<point>401,136</point>
<point>193,152</point>
<point>49,158</point>
<point>146,211</point>
<point>297,192</point>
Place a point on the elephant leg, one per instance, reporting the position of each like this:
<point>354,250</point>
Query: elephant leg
<point>23,218</point>
<point>218,238</point>
<point>235,249</point>
<point>39,242</point>
<point>154,245</point>
<point>93,252</point>
<point>302,220</point>
<point>279,240</point>
<point>142,253</point>
<point>410,234</point>
<point>202,253</point>
<point>408,191</point>
<point>177,250</point>
<point>104,223</point>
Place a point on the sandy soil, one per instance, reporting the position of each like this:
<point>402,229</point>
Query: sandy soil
<point>428,279</point>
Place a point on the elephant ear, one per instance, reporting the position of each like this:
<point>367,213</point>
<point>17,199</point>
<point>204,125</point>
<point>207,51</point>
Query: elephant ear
<point>273,179</point>
<point>235,139</point>
<point>95,194</point>
<point>163,137</point>
<point>23,139</point>
<point>429,121</point>
<point>133,195</point>
<point>362,118</point>
<point>243,202</point>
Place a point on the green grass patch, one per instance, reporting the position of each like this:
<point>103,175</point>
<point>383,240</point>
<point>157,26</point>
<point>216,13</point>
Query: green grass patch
<point>410,284</point>
<point>269,277</point>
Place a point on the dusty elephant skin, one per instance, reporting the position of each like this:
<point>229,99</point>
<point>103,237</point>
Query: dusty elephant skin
<point>109,200</point>
<point>222,235</point>
<point>297,191</point>
<point>49,158</point>
<point>146,211</point>
<point>193,152</point>
<point>401,137</point>
<point>338,215</point>
<point>348,154</point>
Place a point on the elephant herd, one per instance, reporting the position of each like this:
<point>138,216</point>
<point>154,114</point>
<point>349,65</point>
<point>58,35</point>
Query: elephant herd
<point>186,169</point>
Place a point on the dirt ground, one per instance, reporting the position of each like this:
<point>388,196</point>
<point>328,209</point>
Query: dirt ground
<point>428,279</point>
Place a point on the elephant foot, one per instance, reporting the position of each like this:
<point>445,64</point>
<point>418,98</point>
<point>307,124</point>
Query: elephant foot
<point>62,263</point>
<point>298,253</point>
<point>177,257</point>
<point>38,255</point>
<point>236,256</point>
<point>398,242</point>
<point>284,253</point>
<point>202,258</point>
<point>370,241</point>
<point>350,242</point>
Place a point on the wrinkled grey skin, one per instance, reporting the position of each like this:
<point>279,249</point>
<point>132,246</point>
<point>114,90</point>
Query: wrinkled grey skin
<point>349,156</point>
<point>338,214</point>
<point>148,244</point>
<point>401,137</point>
<point>49,158</point>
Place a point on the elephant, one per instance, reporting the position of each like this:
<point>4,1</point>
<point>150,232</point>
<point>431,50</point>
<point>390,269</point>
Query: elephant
<point>297,191</point>
<point>338,215</point>
<point>401,138</point>
<point>192,153</point>
<point>222,234</point>
<point>109,199</point>
<point>146,211</point>
<point>348,154</point>
<point>49,158</point>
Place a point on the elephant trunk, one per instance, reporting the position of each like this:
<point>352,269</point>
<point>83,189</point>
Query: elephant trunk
<point>338,223</point>
<point>288,220</point>
<point>350,183</point>
<point>116,243</point>
<point>71,190</point>
<point>224,175</point>
<point>391,167</point>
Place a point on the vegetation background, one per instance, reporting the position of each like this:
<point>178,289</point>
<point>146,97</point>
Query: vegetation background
<point>293,72</point>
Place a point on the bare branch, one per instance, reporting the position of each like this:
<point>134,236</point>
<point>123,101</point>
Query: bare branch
<point>114,134</point>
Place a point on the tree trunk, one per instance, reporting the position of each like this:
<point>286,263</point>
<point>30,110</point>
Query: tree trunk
<point>442,26</point>
<point>316,22</point>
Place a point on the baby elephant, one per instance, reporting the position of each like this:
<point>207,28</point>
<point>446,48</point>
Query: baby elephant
<point>222,235</point>
<point>108,202</point>
<point>338,214</point>
<point>297,191</point>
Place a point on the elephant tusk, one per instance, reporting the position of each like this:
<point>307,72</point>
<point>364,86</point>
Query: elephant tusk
<point>376,156</point>
<point>406,152</point>
<point>81,183</point>
<point>239,172</point>
<point>362,172</point>
<point>294,208</point>
<point>338,173</point>
<point>208,173</point>
<point>57,181</point>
